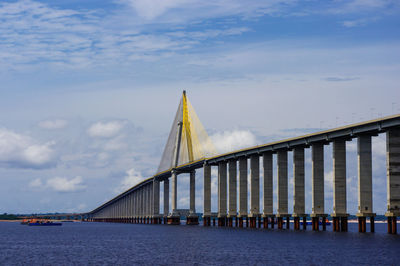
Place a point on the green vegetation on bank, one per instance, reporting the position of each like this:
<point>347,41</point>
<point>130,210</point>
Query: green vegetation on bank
<point>6,216</point>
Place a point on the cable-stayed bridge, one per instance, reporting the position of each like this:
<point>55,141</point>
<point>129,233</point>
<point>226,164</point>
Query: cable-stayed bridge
<point>189,148</point>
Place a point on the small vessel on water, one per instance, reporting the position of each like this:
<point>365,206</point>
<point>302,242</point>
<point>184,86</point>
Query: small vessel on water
<point>39,222</point>
<point>43,223</point>
<point>25,221</point>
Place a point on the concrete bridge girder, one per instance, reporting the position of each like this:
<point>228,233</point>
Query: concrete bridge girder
<point>144,199</point>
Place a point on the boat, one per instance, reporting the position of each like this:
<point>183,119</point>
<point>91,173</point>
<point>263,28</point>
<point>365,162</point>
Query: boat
<point>25,221</point>
<point>43,223</point>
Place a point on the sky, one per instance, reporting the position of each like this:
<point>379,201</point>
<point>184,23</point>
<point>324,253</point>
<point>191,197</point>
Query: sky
<point>89,89</point>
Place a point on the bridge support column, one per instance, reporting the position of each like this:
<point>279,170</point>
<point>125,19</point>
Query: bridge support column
<point>222,191</point>
<point>232,191</point>
<point>298,187</point>
<point>207,195</point>
<point>156,202</point>
<point>166,199</point>
<point>242,190</point>
<point>174,218</point>
<point>141,206</point>
<point>192,218</point>
<point>268,189</point>
<point>339,214</point>
<point>364,154</point>
<point>393,178</point>
<point>318,202</point>
<point>282,188</point>
<point>254,190</point>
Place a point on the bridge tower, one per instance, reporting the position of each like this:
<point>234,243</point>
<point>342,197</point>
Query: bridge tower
<point>187,142</point>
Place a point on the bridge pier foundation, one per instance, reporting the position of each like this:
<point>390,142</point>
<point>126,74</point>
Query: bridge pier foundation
<point>253,222</point>
<point>206,221</point>
<point>392,225</point>
<point>344,224</point>
<point>222,221</point>
<point>240,222</point>
<point>296,221</point>
<point>265,222</point>
<point>192,220</point>
<point>315,223</point>
<point>280,223</point>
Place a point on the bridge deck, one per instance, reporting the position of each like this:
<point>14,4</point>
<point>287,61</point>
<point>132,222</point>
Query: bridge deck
<point>372,127</point>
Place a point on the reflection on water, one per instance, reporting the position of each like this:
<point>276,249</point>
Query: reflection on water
<point>107,243</point>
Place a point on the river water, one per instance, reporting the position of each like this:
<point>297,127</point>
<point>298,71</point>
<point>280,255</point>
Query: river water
<point>83,243</point>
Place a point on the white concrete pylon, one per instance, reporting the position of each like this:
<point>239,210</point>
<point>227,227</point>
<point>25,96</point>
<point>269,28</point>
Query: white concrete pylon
<point>282,183</point>
<point>364,154</point>
<point>268,184</point>
<point>254,185</point>
<point>339,178</point>
<point>207,190</point>
<point>222,189</point>
<point>243,187</point>
<point>318,201</point>
<point>232,184</point>
<point>393,172</point>
<point>298,182</point>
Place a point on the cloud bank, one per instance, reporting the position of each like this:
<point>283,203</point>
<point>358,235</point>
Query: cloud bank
<point>21,151</point>
<point>59,184</point>
<point>227,141</point>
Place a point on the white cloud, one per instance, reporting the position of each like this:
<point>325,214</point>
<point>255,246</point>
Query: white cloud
<point>37,32</point>
<point>114,144</point>
<point>186,10</point>
<point>131,179</point>
<point>233,140</point>
<point>36,183</point>
<point>106,129</point>
<point>154,8</point>
<point>53,124</point>
<point>62,184</point>
<point>22,151</point>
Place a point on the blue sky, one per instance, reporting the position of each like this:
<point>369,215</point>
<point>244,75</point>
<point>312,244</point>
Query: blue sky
<point>89,89</point>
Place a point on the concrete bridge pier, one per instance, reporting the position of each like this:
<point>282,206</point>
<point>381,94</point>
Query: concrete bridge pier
<point>318,202</point>
<point>222,193</point>
<point>232,188</point>
<point>141,212</point>
<point>242,191</point>
<point>254,190</point>
<point>282,189</point>
<point>137,207</point>
<point>339,214</point>
<point>207,195</point>
<point>393,178</point>
<point>268,214</point>
<point>298,188</point>
<point>155,202</point>
<point>166,200</point>
<point>364,155</point>
<point>192,218</point>
<point>174,217</point>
